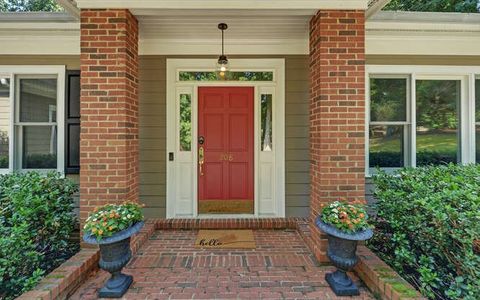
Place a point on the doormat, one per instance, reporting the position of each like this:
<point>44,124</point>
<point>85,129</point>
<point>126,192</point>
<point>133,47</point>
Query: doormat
<point>225,239</point>
<point>225,207</point>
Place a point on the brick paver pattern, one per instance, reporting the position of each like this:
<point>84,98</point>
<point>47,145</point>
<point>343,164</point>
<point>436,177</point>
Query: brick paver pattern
<point>169,267</point>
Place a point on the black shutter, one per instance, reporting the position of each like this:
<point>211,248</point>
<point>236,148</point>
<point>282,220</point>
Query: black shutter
<point>72,123</point>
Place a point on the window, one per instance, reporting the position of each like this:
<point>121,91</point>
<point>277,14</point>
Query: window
<point>422,115</point>
<point>389,122</point>
<point>266,122</point>
<point>31,118</point>
<point>185,122</point>
<point>229,76</point>
<point>4,121</point>
<point>437,128</point>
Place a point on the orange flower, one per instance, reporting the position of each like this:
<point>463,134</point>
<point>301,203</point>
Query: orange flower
<point>100,232</point>
<point>361,215</point>
<point>110,228</point>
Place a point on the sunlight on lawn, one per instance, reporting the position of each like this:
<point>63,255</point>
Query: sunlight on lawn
<point>438,142</point>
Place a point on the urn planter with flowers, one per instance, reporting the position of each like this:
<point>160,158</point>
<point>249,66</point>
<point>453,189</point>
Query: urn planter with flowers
<point>111,227</point>
<point>345,224</point>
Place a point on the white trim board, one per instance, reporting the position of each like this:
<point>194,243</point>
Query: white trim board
<point>182,172</point>
<point>222,4</point>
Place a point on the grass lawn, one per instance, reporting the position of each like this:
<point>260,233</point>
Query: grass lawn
<point>433,142</point>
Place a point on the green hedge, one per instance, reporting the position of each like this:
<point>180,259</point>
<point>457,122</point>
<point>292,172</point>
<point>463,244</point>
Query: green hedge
<point>36,222</point>
<point>428,228</point>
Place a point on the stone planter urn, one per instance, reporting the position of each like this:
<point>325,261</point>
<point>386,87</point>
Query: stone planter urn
<point>341,251</point>
<point>115,253</point>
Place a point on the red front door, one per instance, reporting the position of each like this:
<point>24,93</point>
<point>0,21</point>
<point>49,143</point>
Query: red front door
<point>225,143</point>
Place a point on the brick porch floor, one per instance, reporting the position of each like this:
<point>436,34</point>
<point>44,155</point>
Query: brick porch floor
<point>169,267</point>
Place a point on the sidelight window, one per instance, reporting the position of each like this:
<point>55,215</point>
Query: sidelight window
<point>266,122</point>
<point>185,122</point>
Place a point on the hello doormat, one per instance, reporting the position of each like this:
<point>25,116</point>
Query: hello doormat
<point>225,239</point>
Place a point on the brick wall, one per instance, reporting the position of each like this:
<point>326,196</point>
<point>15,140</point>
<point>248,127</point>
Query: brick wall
<point>109,108</point>
<point>337,112</point>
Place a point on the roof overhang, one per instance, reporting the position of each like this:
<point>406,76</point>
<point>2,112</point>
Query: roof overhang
<point>264,32</point>
<point>223,4</point>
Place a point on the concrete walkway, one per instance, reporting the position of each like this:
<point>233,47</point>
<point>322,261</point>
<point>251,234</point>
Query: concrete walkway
<point>169,267</point>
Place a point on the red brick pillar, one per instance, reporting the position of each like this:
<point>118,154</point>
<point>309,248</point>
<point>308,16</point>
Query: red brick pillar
<point>337,112</point>
<point>109,108</point>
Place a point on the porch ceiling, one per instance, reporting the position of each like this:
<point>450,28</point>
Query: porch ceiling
<point>249,32</point>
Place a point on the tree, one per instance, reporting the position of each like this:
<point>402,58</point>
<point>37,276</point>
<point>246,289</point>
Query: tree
<point>466,6</point>
<point>28,5</point>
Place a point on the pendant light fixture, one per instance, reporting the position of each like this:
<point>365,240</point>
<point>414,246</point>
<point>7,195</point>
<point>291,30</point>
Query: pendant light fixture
<point>222,63</point>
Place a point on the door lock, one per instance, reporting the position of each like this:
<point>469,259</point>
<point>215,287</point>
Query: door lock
<point>201,159</point>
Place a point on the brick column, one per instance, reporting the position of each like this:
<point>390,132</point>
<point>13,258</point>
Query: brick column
<point>109,108</point>
<point>337,112</point>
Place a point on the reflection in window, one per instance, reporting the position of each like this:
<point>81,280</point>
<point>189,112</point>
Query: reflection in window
<point>39,147</point>
<point>388,99</point>
<point>386,146</point>
<point>4,121</point>
<point>477,117</point>
<point>228,76</point>
<point>266,115</point>
<point>437,121</point>
<point>38,100</point>
<point>388,122</point>
<point>185,122</point>
<point>37,124</point>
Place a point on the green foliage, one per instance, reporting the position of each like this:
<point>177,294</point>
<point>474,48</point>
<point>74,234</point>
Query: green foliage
<point>185,122</point>
<point>36,221</point>
<point>28,5</point>
<point>428,228</point>
<point>228,76</point>
<point>466,6</point>
<point>112,218</point>
<point>345,217</point>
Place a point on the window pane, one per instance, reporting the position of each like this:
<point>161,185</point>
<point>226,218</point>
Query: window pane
<point>228,76</point>
<point>386,146</point>
<point>4,121</point>
<point>388,99</point>
<point>185,122</point>
<point>266,115</point>
<point>437,121</point>
<point>38,100</point>
<point>39,147</point>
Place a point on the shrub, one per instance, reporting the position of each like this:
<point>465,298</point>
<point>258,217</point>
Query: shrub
<point>346,217</point>
<point>36,221</point>
<point>112,218</point>
<point>428,228</point>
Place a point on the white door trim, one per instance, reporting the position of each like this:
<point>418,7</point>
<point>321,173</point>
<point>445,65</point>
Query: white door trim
<point>181,186</point>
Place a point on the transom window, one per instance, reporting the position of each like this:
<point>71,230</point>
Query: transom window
<point>422,116</point>
<point>31,118</point>
<point>227,76</point>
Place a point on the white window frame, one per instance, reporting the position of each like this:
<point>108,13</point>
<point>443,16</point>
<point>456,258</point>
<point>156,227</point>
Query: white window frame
<point>15,154</point>
<point>465,74</point>
<point>476,123</point>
